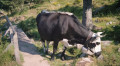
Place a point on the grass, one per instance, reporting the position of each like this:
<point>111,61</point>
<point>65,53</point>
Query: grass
<point>7,58</point>
<point>72,55</point>
<point>111,56</point>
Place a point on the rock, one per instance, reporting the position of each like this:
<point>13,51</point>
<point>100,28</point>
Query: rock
<point>32,40</point>
<point>79,46</point>
<point>21,18</point>
<point>69,58</point>
<point>51,43</point>
<point>118,49</point>
<point>96,28</point>
<point>87,59</point>
<point>59,55</point>
<point>67,64</point>
<point>106,43</point>
<point>82,55</point>
<point>100,57</point>
<point>84,62</point>
<point>96,20</point>
<point>109,23</point>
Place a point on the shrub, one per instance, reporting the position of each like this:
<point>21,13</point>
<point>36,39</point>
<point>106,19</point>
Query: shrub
<point>112,33</point>
<point>30,28</point>
<point>73,9</point>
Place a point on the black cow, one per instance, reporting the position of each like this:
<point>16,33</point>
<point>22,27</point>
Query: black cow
<point>59,26</point>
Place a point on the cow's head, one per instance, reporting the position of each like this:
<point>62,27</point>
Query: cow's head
<point>94,47</point>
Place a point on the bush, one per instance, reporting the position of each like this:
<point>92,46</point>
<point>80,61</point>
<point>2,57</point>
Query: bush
<point>73,9</point>
<point>29,26</point>
<point>112,33</point>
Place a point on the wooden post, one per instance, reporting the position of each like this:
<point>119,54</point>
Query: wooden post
<point>11,35</point>
<point>14,39</point>
<point>10,24</point>
<point>87,14</point>
<point>16,48</point>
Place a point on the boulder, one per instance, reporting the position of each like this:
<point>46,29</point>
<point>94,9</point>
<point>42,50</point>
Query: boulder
<point>96,28</point>
<point>118,49</point>
<point>106,43</point>
<point>79,46</point>
<point>100,57</point>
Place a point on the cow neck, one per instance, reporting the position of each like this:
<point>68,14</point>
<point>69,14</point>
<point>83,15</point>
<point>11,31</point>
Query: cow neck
<point>89,36</point>
<point>88,41</point>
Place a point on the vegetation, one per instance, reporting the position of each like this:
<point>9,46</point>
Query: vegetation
<point>111,56</point>
<point>112,33</point>
<point>110,13</point>
<point>17,6</point>
<point>32,31</point>
<point>6,58</point>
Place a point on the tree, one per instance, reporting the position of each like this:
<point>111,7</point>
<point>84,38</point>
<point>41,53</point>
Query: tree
<point>87,14</point>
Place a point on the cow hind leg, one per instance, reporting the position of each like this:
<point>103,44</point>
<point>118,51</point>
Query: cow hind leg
<point>44,49</point>
<point>54,49</point>
<point>63,54</point>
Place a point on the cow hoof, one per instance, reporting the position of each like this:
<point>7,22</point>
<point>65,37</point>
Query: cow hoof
<point>46,52</point>
<point>52,59</point>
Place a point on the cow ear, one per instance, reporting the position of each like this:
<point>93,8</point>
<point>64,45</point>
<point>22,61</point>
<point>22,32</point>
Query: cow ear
<point>99,34</point>
<point>93,39</point>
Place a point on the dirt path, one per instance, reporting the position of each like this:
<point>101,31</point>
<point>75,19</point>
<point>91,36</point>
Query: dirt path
<point>29,52</point>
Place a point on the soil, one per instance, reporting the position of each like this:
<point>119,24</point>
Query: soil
<point>30,54</point>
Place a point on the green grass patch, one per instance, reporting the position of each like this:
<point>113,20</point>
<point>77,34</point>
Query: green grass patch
<point>72,55</point>
<point>111,56</point>
<point>7,58</point>
<point>112,33</point>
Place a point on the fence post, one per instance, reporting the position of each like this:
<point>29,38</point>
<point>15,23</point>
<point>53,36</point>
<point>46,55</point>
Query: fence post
<point>16,48</point>
<point>14,39</point>
<point>11,35</point>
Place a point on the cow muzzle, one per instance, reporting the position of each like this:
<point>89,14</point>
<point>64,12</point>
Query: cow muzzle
<point>97,54</point>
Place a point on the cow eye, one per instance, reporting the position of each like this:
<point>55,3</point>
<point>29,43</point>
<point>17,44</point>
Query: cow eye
<point>97,43</point>
<point>92,43</point>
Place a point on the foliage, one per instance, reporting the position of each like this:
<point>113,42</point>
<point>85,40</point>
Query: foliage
<point>73,9</point>
<point>112,33</point>
<point>30,28</point>
<point>117,3</point>
<point>77,2</point>
<point>17,6</point>
<point>11,6</point>
<point>110,10</point>
<point>6,58</point>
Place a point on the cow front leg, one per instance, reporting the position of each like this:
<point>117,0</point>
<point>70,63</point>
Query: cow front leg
<point>47,47</point>
<point>63,54</point>
<point>54,50</point>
